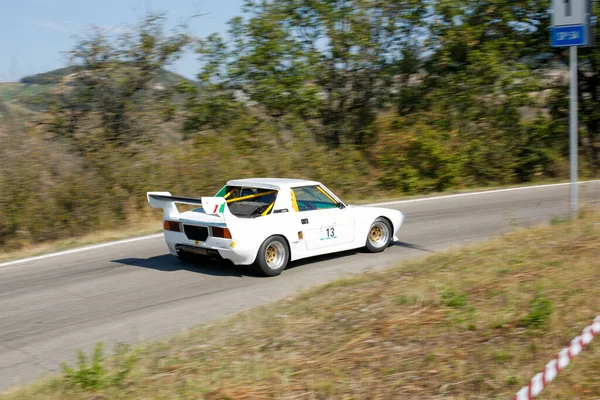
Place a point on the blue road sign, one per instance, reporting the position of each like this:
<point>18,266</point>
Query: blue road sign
<point>570,35</point>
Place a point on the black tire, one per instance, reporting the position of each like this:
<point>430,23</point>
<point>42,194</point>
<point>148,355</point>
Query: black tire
<point>380,235</point>
<point>272,257</point>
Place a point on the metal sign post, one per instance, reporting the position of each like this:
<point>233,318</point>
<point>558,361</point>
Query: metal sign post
<point>572,27</point>
<point>573,125</point>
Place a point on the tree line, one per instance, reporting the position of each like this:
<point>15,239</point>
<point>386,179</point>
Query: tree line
<point>380,96</point>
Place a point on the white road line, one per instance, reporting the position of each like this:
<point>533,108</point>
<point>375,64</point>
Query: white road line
<point>451,196</point>
<point>99,246</point>
<point>77,250</point>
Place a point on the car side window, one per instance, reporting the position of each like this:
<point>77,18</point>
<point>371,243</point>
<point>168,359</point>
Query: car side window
<point>313,198</point>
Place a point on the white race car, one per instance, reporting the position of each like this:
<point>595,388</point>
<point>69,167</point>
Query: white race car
<point>267,222</point>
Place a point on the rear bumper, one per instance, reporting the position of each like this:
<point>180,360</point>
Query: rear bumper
<point>225,248</point>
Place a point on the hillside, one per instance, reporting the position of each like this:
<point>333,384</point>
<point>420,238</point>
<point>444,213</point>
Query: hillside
<point>54,77</point>
<point>29,91</point>
<point>472,323</point>
<point>48,78</point>
<point>20,92</point>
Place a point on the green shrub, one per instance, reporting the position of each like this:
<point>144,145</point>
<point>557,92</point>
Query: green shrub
<point>92,373</point>
<point>89,373</point>
<point>451,298</point>
<point>540,310</point>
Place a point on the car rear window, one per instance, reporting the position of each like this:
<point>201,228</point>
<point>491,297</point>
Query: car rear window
<point>247,202</point>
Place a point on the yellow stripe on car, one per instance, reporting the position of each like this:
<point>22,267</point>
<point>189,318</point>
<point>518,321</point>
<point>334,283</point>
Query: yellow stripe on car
<point>294,204</point>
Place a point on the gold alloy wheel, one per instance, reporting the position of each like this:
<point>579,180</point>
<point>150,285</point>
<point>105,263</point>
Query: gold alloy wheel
<point>275,255</point>
<point>375,234</point>
<point>379,235</point>
<point>271,253</point>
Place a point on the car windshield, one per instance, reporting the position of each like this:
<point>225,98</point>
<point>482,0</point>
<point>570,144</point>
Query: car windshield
<point>248,202</point>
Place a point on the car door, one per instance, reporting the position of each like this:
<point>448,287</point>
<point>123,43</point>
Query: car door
<point>324,223</point>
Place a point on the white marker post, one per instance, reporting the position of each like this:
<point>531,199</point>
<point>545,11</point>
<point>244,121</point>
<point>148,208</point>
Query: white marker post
<point>571,28</point>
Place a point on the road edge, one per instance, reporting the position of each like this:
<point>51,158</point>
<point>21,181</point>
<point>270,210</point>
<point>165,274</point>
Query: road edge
<point>393,202</point>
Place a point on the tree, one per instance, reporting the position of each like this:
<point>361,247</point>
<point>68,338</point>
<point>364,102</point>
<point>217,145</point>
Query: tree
<point>112,78</point>
<point>212,103</point>
<point>333,61</point>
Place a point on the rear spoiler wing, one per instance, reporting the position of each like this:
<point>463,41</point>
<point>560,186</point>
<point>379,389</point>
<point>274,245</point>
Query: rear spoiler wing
<point>211,205</point>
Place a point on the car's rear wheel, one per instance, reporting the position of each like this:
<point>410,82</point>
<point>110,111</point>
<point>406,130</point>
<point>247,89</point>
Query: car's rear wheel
<point>379,236</point>
<point>272,257</point>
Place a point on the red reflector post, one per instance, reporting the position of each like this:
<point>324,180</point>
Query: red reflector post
<point>172,226</point>
<point>221,232</point>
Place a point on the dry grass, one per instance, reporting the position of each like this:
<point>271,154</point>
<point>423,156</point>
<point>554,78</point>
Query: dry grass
<point>476,323</point>
<point>144,227</point>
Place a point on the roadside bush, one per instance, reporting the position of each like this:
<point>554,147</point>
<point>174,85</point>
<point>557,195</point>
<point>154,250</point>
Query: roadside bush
<point>540,310</point>
<point>91,373</point>
<point>415,159</point>
<point>450,298</point>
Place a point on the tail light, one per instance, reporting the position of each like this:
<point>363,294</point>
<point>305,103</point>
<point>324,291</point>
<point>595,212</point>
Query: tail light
<point>221,232</point>
<point>172,226</point>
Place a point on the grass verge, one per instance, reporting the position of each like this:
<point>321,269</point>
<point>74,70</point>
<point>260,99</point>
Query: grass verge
<point>142,228</point>
<point>473,323</point>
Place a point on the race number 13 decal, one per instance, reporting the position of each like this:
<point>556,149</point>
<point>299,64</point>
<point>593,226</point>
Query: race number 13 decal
<point>328,233</point>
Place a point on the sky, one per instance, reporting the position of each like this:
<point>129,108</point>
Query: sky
<point>34,33</point>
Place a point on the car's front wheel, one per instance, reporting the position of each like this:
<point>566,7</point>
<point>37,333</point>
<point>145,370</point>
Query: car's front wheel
<point>380,235</point>
<point>272,257</point>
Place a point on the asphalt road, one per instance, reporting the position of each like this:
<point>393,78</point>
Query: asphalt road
<point>135,291</point>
